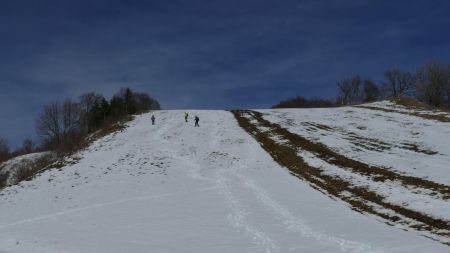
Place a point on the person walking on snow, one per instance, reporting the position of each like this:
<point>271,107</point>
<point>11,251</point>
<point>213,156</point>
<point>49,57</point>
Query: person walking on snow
<point>196,121</point>
<point>153,119</point>
<point>186,115</point>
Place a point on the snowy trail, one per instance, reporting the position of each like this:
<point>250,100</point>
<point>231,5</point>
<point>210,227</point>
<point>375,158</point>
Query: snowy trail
<point>176,188</point>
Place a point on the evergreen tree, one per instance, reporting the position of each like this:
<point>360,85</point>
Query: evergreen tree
<point>95,116</point>
<point>117,107</point>
<point>105,108</point>
<point>130,106</point>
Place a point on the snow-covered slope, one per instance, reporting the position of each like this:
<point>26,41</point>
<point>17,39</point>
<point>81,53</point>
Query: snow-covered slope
<point>406,143</point>
<point>172,187</point>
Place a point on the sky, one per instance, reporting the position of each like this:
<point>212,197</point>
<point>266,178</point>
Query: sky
<point>205,54</point>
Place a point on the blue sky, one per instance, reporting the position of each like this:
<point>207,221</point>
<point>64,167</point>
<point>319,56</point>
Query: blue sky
<point>204,53</point>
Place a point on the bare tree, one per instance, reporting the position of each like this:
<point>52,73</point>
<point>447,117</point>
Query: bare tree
<point>433,82</point>
<point>71,119</point>
<point>144,102</point>
<point>350,91</point>
<point>87,100</point>
<point>398,83</point>
<point>371,92</point>
<point>4,149</point>
<point>59,123</point>
<point>27,146</point>
<point>345,90</point>
<point>356,96</point>
<point>48,125</point>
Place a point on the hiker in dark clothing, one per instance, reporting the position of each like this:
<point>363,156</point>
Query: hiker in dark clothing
<point>186,115</point>
<point>153,119</point>
<point>196,119</point>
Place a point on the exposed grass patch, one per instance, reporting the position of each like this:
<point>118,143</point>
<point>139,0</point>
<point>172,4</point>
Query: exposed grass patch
<point>365,142</point>
<point>25,170</point>
<point>414,147</point>
<point>411,103</point>
<point>29,170</point>
<point>355,139</point>
<point>287,156</point>
<point>439,117</point>
<point>332,157</point>
<point>414,104</point>
<point>3,177</point>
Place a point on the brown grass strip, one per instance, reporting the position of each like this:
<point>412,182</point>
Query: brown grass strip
<point>412,103</point>
<point>286,155</point>
<point>357,140</point>
<point>441,118</point>
<point>332,157</point>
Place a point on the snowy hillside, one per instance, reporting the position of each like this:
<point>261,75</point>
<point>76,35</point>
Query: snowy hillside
<point>172,187</point>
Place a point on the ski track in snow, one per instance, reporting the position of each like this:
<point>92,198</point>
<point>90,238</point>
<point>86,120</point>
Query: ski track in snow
<point>237,217</point>
<point>238,213</point>
<point>298,225</point>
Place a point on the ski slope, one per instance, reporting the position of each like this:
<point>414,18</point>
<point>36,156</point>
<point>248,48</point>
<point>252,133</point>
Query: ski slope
<point>175,188</point>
